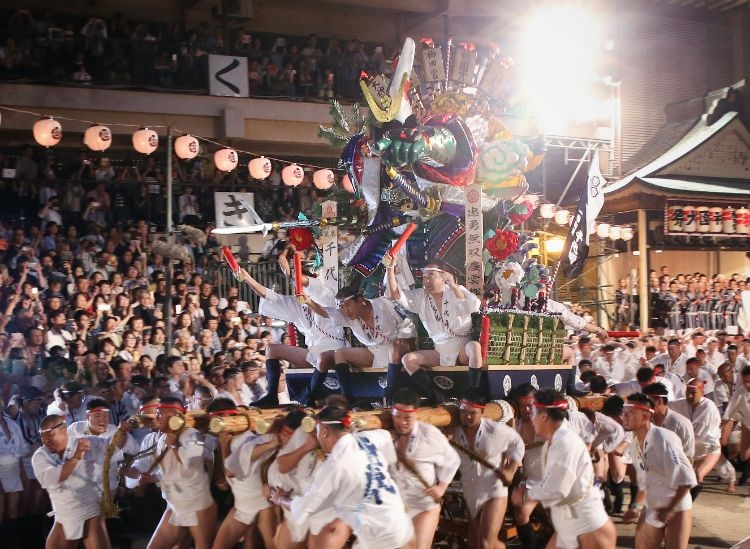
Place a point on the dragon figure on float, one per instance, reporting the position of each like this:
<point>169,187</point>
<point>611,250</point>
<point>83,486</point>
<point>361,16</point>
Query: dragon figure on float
<point>435,144</point>
<point>435,137</point>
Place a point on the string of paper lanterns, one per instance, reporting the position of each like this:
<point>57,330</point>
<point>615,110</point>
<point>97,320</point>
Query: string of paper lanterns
<point>145,141</point>
<point>603,230</point>
<point>47,131</point>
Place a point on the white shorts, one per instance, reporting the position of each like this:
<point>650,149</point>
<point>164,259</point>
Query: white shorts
<point>684,504</point>
<point>246,509</point>
<point>703,449</point>
<point>317,521</point>
<point>397,535</point>
<point>571,521</point>
<point>73,524</point>
<point>186,518</point>
<point>417,503</point>
<point>450,349</point>
<point>476,498</point>
<point>381,355</point>
<point>10,474</point>
<point>314,524</point>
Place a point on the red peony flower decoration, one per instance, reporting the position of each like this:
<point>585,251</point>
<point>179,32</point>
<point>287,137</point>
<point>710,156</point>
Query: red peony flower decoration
<point>520,212</point>
<point>301,238</point>
<point>346,421</point>
<point>502,244</point>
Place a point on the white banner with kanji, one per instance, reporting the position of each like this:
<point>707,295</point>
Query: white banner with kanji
<point>229,209</point>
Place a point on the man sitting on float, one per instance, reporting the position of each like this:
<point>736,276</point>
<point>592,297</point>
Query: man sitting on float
<point>445,309</point>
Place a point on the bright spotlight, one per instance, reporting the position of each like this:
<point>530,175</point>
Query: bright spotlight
<point>554,245</point>
<point>559,50</point>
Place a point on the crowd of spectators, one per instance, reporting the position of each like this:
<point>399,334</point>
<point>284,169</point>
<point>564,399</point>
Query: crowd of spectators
<point>85,316</point>
<point>93,191</point>
<point>60,47</point>
<point>683,302</point>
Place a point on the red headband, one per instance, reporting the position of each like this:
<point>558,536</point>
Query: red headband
<point>287,430</point>
<point>99,409</point>
<point>219,413</point>
<point>148,407</point>
<point>171,407</point>
<point>643,407</point>
<point>345,421</point>
<point>404,409</point>
<point>558,404</point>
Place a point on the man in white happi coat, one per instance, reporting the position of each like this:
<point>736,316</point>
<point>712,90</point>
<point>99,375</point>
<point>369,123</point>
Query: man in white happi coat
<point>674,359</point>
<point>608,436</point>
<point>245,458</point>
<point>293,471</point>
<point>567,485</point>
<point>178,465</point>
<point>70,402</point>
<point>426,464</point>
<point>726,384</point>
<point>615,362</point>
<point>706,421</point>
<point>445,309</point>
<point>379,324</point>
<point>12,449</point>
<point>738,412</point>
<point>667,418</point>
<point>693,370</point>
<point>485,488</point>
<point>71,472</point>
<point>354,479</point>
<point>97,425</point>
<point>322,335</point>
<point>533,463</point>
<point>665,477</point>
<point>644,376</point>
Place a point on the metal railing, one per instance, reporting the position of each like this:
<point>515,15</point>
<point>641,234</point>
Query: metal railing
<point>266,273</point>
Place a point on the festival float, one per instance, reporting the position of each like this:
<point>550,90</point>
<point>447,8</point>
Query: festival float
<point>433,173</point>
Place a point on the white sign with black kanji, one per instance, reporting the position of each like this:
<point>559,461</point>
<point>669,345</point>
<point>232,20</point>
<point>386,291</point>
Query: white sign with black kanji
<point>329,249</point>
<point>230,212</point>
<point>474,240</point>
<point>227,76</point>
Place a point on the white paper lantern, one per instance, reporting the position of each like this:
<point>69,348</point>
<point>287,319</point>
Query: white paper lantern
<point>615,231</point>
<point>324,179</point>
<point>346,183</point>
<point>98,138</point>
<point>145,141</point>
<point>292,175</point>
<point>225,159</point>
<point>562,217</point>
<point>602,231</point>
<point>259,168</point>
<point>47,132</point>
<point>627,233</point>
<point>186,147</point>
<point>547,211</point>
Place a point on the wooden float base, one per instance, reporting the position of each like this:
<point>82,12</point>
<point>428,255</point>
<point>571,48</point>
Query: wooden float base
<point>369,384</point>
